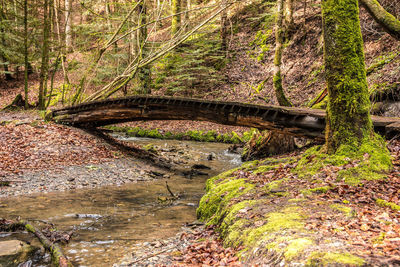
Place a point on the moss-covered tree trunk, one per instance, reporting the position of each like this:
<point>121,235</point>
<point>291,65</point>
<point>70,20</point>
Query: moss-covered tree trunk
<point>279,35</point>
<point>176,20</point>
<point>144,73</point>
<point>348,117</point>
<point>26,62</point>
<point>384,18</point>
<point>186,7</point>
<point>3,57</point>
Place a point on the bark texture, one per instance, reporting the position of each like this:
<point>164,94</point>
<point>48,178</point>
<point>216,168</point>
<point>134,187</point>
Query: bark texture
<point>144,73</point>
<point>26,62</point>
<point>224,27</point>
<point>348,117</point>
<point>279,36</point>
<point>44,69</point>
<point>176,20</point>
<point>389,22</point>
<point>288,120</point>
<point>266,144</point>
<point>68,25</point>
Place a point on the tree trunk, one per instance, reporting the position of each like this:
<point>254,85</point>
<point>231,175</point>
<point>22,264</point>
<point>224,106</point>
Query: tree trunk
<point>186,6</point>
<point>176,20</point>
<point>108,14</point>
<point>389,22</point>
<point>63,55</point>
<point>289,20</point>
<point>224,27</point>
<point>68,25</point>
<point>144,74</point>
<point>45,56</point>
<point>3,43</point>
<point>26,53</point>
<point>348,117</point>
<point>266,144</point>
<point>277,79</point>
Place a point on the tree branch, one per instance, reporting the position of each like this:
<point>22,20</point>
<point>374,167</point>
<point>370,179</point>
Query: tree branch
<point>389,22</point>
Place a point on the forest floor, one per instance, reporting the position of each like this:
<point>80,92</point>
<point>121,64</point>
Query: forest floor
<point>39,156</point>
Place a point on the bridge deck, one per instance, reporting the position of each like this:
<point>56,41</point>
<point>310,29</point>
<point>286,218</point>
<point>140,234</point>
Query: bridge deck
<point>293,121</point>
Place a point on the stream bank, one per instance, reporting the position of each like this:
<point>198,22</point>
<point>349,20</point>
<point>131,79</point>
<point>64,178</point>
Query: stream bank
<point>107,220</point>
<point>280,217</point>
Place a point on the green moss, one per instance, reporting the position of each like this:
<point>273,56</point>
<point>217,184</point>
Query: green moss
<point>369,160</point>
<point>344,209</point>
<point>236,138</point>
<point>232,226</point>
<point>211,183</point>
<point>212,204</point>
<point>382,61</point>
<point>322,189</point>
<point>384,203</point>
<point>289,218</point>
<point>150,148</point>
<point>280,95</point>
<point>316,190</point>
<point>200,136</point>
<point>330,258</point>
<point>250,165</point>
<point>379,239</point>
<point>296,247</point>
<point>274,185</point>
<point>263,169</point>
<point>321,105</point>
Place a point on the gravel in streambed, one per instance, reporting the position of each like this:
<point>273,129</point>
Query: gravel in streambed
<point>115,172</point>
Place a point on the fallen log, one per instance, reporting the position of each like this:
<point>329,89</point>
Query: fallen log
<point>58,258</point>
<point>286,120</point>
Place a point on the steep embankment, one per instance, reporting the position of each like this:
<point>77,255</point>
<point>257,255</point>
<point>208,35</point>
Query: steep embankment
<point>250,69</point>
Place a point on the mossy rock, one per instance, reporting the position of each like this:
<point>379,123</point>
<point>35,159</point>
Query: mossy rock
<point>279,229</point>
<point>14,252</point>
<point>334,259</point>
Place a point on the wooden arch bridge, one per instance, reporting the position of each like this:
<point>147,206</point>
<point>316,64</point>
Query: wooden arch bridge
<point>294,121</point>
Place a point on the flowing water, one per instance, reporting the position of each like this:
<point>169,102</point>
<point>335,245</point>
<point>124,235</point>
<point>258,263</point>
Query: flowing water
<point>108,220</point>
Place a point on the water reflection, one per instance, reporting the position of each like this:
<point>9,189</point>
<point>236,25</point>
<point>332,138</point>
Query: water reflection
<point>108,220</point>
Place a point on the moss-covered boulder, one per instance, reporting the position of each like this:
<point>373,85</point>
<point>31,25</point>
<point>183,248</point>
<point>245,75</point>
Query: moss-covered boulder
<point>256,208</point>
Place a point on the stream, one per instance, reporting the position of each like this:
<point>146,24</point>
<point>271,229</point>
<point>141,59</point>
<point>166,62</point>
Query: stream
<point>108,220</point>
